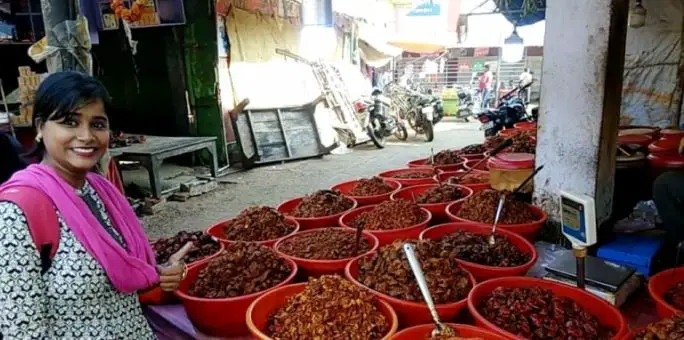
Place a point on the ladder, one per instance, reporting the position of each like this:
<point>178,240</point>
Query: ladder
<point>337,97</point>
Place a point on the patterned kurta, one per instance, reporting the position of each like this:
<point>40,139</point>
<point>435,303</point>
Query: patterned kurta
<point>74,299</point>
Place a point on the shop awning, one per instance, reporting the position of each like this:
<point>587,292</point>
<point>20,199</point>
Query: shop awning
<point>423,46</point>
<point>374,50</point>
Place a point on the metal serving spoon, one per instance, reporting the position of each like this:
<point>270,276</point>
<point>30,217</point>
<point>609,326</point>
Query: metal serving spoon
<point>499,209</point>
<point>441,328</point>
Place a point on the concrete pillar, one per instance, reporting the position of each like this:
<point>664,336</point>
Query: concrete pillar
<point>581,91</point>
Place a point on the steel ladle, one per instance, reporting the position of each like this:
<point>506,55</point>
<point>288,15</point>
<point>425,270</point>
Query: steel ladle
<point>441,328</point>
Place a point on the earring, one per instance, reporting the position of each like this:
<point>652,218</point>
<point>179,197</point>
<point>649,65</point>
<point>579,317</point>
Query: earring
<point>39,137</point>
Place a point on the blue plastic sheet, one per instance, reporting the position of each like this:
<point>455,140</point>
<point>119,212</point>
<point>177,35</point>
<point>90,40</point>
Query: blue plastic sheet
<point>513,15</point>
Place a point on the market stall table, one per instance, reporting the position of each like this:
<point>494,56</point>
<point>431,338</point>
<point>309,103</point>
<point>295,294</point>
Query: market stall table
<point>156,149</point>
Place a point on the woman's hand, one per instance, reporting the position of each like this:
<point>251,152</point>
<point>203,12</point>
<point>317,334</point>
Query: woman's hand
<point>174,271</point>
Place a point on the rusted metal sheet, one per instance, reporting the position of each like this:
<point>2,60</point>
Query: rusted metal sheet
<point>279,134</point>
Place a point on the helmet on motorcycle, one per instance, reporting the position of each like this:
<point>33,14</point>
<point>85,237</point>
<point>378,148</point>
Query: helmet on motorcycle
<point>376,91</point>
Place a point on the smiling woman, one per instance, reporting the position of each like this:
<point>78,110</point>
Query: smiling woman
<point>86,277</point>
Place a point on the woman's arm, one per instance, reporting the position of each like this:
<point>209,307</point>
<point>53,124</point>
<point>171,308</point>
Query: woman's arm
<point>23,305</point>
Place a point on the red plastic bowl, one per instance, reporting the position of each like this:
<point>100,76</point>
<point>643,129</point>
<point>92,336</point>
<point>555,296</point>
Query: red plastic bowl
<point>606,313</point>
<point>410,313</point>
<point>387,236</point>
<point>346,187</point>
<point>423,163</point>
<point>527,230</point>
<point>482,272</point>
<point>316,268</point>
<point>473,157</point>
<point>217,232</point>
<point>445,176</point>
<point>156,296</point>
<point>526,125</point>
<point>482,168</point>
<point>308,223</point>
<point>409,182</point>
<point>221,317</point>
<point>266,305</point>
<point>424,332</point>
<point>438,210</point>
<point>659,285</point>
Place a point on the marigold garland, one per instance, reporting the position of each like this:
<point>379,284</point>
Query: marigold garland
<point>129,15</point>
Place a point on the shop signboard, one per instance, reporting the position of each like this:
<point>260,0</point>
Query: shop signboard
<point>478,66</point>
<point>427,8</point>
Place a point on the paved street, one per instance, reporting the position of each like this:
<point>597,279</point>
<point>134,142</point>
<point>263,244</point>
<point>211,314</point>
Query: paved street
<point>270,185</point>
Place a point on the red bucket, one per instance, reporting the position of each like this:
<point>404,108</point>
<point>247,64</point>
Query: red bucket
<point>464,331</point>
<point>221,317</point>
<point>410,313</point>
<point>479,271</point>
<point>482,168</point>
<point>317,268</point>
<point>423,163</point>
<point>606,313</point>
<point>409,182</point>
<point>445,176</point>
<point>438,210</point>
<point>346,187</point>
<point>156,296</point>
<point>659,285</point>
<point>527,230</point>
<point>387,236</point>
<point>217,232</point>
<point>308,223</point>
<point>262,308</point>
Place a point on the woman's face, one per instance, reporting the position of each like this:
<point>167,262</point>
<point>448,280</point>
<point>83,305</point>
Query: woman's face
<point>75,143</point>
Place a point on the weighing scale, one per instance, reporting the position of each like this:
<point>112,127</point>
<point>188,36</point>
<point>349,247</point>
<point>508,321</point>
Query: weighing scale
<point>578,225</point>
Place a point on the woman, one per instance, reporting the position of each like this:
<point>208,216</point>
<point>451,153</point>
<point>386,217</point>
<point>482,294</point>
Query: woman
<point>103,258</point>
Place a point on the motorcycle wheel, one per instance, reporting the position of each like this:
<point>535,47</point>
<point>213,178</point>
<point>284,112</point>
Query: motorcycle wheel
<point>429,131</point>
<point>401,133</point>
<point>379,141</point>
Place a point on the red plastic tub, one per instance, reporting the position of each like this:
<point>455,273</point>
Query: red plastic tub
<point>607,314</point>
<point>308,223</point>
<point>410,313</point>
<point>409,182</point>
<point>423,163</point>
<point>445,176</point>
<point>483,167</point>
<point>156,296</point>
<point>465,331</point>
<point>526,125</point>
<point>473,157</point>
<point>221,317</point>
<point>316,268</point>
<point>346,187</point>
<point>438,210</point>
<point>527,230</point>
<point>664,147</point>
<point>217,232</point>
<point>660,284</point>
<point>262,308</point>
<point>482,272</point>
<point>387,236</point>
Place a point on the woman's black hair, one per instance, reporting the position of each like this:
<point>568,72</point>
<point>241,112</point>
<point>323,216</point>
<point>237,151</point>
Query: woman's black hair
<point>62,93</point>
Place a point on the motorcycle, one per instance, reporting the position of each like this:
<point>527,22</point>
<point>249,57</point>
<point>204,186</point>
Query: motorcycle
<point>466,103</point>
<point>426,111</point>
<point>379,122</point>
<point>511,110</point>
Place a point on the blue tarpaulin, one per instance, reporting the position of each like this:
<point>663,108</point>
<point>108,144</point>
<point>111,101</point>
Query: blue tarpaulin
<point>515,13</point>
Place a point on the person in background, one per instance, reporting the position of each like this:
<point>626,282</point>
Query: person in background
<point>10,155</point>
<point>525,78</point>
<point>89,289</point>
<point>486,85</point>
<point>668,195</point>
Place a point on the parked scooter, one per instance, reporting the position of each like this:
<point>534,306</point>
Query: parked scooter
<point>511,110</point>
<point>426,111</point>
<point>379,121</point>
<point>466,103</point>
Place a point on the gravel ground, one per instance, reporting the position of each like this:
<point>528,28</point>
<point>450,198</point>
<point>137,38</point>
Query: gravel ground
<point>270,185</point>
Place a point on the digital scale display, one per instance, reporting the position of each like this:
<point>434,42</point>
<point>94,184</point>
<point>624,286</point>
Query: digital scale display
<point>572,214</point>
